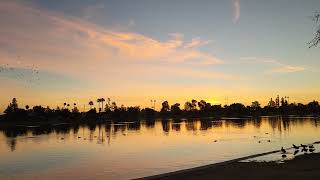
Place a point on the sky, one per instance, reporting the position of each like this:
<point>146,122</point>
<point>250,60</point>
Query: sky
<point>134,51</point>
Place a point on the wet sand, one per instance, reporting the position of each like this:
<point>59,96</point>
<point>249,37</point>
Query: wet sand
<point>301,167</point>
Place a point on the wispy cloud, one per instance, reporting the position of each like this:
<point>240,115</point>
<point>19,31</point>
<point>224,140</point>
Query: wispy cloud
<point>196,42</point>
<point>71,46</point>
<point>50,31</point>
<point>277,67</point>
<point>288,69</point>
<point>236,10</point>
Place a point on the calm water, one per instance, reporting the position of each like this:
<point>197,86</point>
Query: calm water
<point>130,150</point>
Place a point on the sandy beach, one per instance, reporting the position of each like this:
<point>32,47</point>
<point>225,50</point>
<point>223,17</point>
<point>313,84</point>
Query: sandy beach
<point>301,167</point>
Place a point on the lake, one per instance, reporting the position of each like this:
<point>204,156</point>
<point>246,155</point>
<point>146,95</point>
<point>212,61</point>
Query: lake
<point>125,150</point>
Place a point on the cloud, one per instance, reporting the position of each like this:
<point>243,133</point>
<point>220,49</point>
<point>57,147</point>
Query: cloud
<point>258,60</point>
<point>236,10</point>
<point>52,33</point>
<point>75,47</point>
<point>196,42</point>
<point>277,67</point>
<point>288,69</point>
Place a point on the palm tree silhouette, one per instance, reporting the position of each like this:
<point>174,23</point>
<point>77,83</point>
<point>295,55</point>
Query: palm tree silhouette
<point>102,100</point>
<point>90,104</point>
<point>99,101</point>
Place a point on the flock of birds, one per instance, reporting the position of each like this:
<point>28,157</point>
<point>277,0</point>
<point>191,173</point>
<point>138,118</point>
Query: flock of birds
<point>304,148</point>
<point>29,74</point>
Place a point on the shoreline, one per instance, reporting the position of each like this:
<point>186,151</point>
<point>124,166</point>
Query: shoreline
<point>223,170</point>
<point>198,168</point>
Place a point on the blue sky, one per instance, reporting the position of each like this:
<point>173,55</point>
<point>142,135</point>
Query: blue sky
<point>134,50</point>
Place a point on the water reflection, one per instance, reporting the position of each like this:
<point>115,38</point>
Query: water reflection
<point>102,133</point>
<point>126,150</point>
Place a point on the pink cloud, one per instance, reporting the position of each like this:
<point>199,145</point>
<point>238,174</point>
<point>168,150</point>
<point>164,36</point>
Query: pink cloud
<point>58,42</point>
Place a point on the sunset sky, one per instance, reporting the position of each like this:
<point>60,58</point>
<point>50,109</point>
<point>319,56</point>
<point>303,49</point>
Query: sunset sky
<point>137,50</point>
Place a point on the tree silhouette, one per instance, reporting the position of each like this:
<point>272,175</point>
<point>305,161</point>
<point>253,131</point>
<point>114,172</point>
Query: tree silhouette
<point>99,101</point>
<point>315,41</point>
<point>114,106</point>
<point>14,113</point>
<point>12,107</point>
<point>175,109</point>
<point>165,107</point>
<point>102,100</point>
<point>90,104</point>
<point>194,104</point>
<point>188,106</point>
<point>202,105</point>
<point>255,105</point>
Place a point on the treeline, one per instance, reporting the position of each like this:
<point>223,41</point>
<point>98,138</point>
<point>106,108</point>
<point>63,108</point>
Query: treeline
<point>191,108</point>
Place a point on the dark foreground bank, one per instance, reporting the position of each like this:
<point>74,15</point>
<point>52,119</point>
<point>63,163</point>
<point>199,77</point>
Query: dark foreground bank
<point>302,167</point>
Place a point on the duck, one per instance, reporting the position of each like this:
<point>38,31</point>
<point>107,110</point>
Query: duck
<point>304,146</point>
<point>284,156</point>
<point>304,150</point>
<point>312,150</point>
<point>311,146</point>
<point>294,146</point>
<point>283,150</point>
<point>296,152</point>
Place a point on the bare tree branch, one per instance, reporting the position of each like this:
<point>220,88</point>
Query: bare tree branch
<point>315,41</point>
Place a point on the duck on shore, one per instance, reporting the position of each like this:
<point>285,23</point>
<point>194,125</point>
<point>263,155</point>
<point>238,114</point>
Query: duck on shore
<point>312,150</point>
<point>283,150</point>
<point>294,146</point>
<point>304,146</point>
<point>304,149</point>
<point>284,156</point>
<point>311,146</point>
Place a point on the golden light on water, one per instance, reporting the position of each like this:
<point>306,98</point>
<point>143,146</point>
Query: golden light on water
<point>111,150</point>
